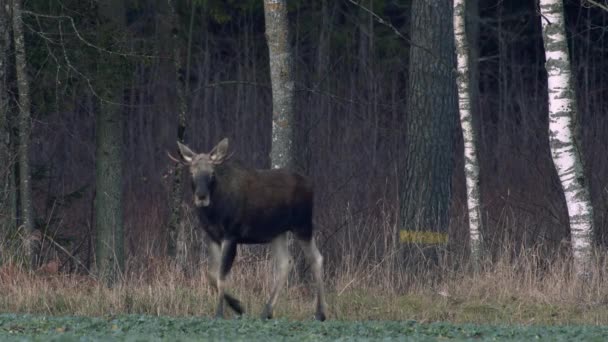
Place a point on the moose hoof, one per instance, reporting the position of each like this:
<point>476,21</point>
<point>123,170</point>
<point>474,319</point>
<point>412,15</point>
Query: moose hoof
<point>320,316</point>
<point>234,304</point>
<point>219,314</point>
<point>267,313</point>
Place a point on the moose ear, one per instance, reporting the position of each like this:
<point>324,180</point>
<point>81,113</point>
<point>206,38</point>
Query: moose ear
<point>186,153</point>
<point>220,151</point>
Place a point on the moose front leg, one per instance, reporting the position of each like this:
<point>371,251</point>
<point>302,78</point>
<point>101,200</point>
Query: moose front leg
<point>282,259</point>
<point>215,257</point>
<point>226,261</point>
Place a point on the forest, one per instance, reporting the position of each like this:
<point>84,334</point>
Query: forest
<point>95,95</point>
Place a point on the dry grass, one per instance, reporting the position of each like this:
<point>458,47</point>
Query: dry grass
<point>367,277</point>
<point>520,290</point>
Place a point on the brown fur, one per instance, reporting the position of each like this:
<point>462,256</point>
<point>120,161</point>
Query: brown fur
<point>240,205</point>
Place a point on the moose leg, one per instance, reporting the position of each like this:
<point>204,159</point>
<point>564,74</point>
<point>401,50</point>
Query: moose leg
<point>215,256</point>
<point>228,255</point>
<point>280,254</point>
<point>315,259</point>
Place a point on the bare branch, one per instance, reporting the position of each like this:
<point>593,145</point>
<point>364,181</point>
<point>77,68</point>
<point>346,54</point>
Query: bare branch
<point>68,65</point>
<point>86,42</point>
<point>595,3</point>
<point>380,20</point>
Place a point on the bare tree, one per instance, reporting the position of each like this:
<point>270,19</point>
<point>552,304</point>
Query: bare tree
<point>7,188</point>
<point>178,230</point>
<point>471,163</point>
<point>425,182</point>
<point>25,186</point>
<point>282,79</point>
<point>563,136</point>
<point>109,166</point>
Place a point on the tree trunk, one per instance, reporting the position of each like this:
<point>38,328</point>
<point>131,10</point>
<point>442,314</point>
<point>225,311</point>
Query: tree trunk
<point>176,190</point>
<point>7,189</point>
<point>565,150</point>
<point>32,244</point>
<point>108,200</point>
<point>471,164</point>
<point>426,174</point>
<point>109,130</point>
<point>179,232</point>
<point>282,80</point>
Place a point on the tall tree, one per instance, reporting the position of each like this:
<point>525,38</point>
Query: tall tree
<point>282,79</point>
<point>25,186</point>
<point>178,230</point>
<point>109,154</point>
<point>563,135</point>
<point>431,108</point>
<point>7,189</point>
<point>471,164</point>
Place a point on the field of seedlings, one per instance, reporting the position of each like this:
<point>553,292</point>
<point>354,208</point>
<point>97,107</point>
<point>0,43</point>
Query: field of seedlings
<point>150,328</point>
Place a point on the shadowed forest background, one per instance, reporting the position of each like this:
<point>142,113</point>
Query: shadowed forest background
<point>351,86</point>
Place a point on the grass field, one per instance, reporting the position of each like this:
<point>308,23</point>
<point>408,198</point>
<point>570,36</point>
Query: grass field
<point>153,328</point>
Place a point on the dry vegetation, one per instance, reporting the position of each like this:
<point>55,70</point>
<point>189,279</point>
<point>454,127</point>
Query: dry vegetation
<point>368,277</point>
<point>526,289</point>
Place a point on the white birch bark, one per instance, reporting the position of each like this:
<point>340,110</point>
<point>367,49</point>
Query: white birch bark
<point>562,134</point>
<point>471,165</point>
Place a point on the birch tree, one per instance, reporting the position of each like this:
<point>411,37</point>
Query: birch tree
<point>471,165</point>
<point>282,80</point>
<point>565,151</point>
<point>25,186</point>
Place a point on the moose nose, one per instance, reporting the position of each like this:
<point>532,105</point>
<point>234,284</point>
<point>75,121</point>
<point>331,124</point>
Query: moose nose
<point>201,200</point>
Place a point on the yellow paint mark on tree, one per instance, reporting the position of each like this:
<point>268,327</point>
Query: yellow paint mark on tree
<point>282,123</point>
<point>424,237</point>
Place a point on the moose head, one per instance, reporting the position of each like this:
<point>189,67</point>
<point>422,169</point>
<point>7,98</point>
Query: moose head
<point>202,170</point>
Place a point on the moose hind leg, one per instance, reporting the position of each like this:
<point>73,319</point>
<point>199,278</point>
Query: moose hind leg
<point>315,259</point>
<point>215,257</point>
<point>282,259</point>
<point>226,261</point>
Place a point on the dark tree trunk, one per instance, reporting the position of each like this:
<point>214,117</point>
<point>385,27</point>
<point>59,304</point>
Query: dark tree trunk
<point>179,232</point>
<point>7,181</point>
<point>109,152</point>
<point>432,111</point>
<point>32,244</point>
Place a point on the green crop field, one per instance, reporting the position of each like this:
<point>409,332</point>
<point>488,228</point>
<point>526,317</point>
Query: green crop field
<point>19,327</point>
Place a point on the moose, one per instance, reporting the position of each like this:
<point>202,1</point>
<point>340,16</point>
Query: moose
<point>240,205</point>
